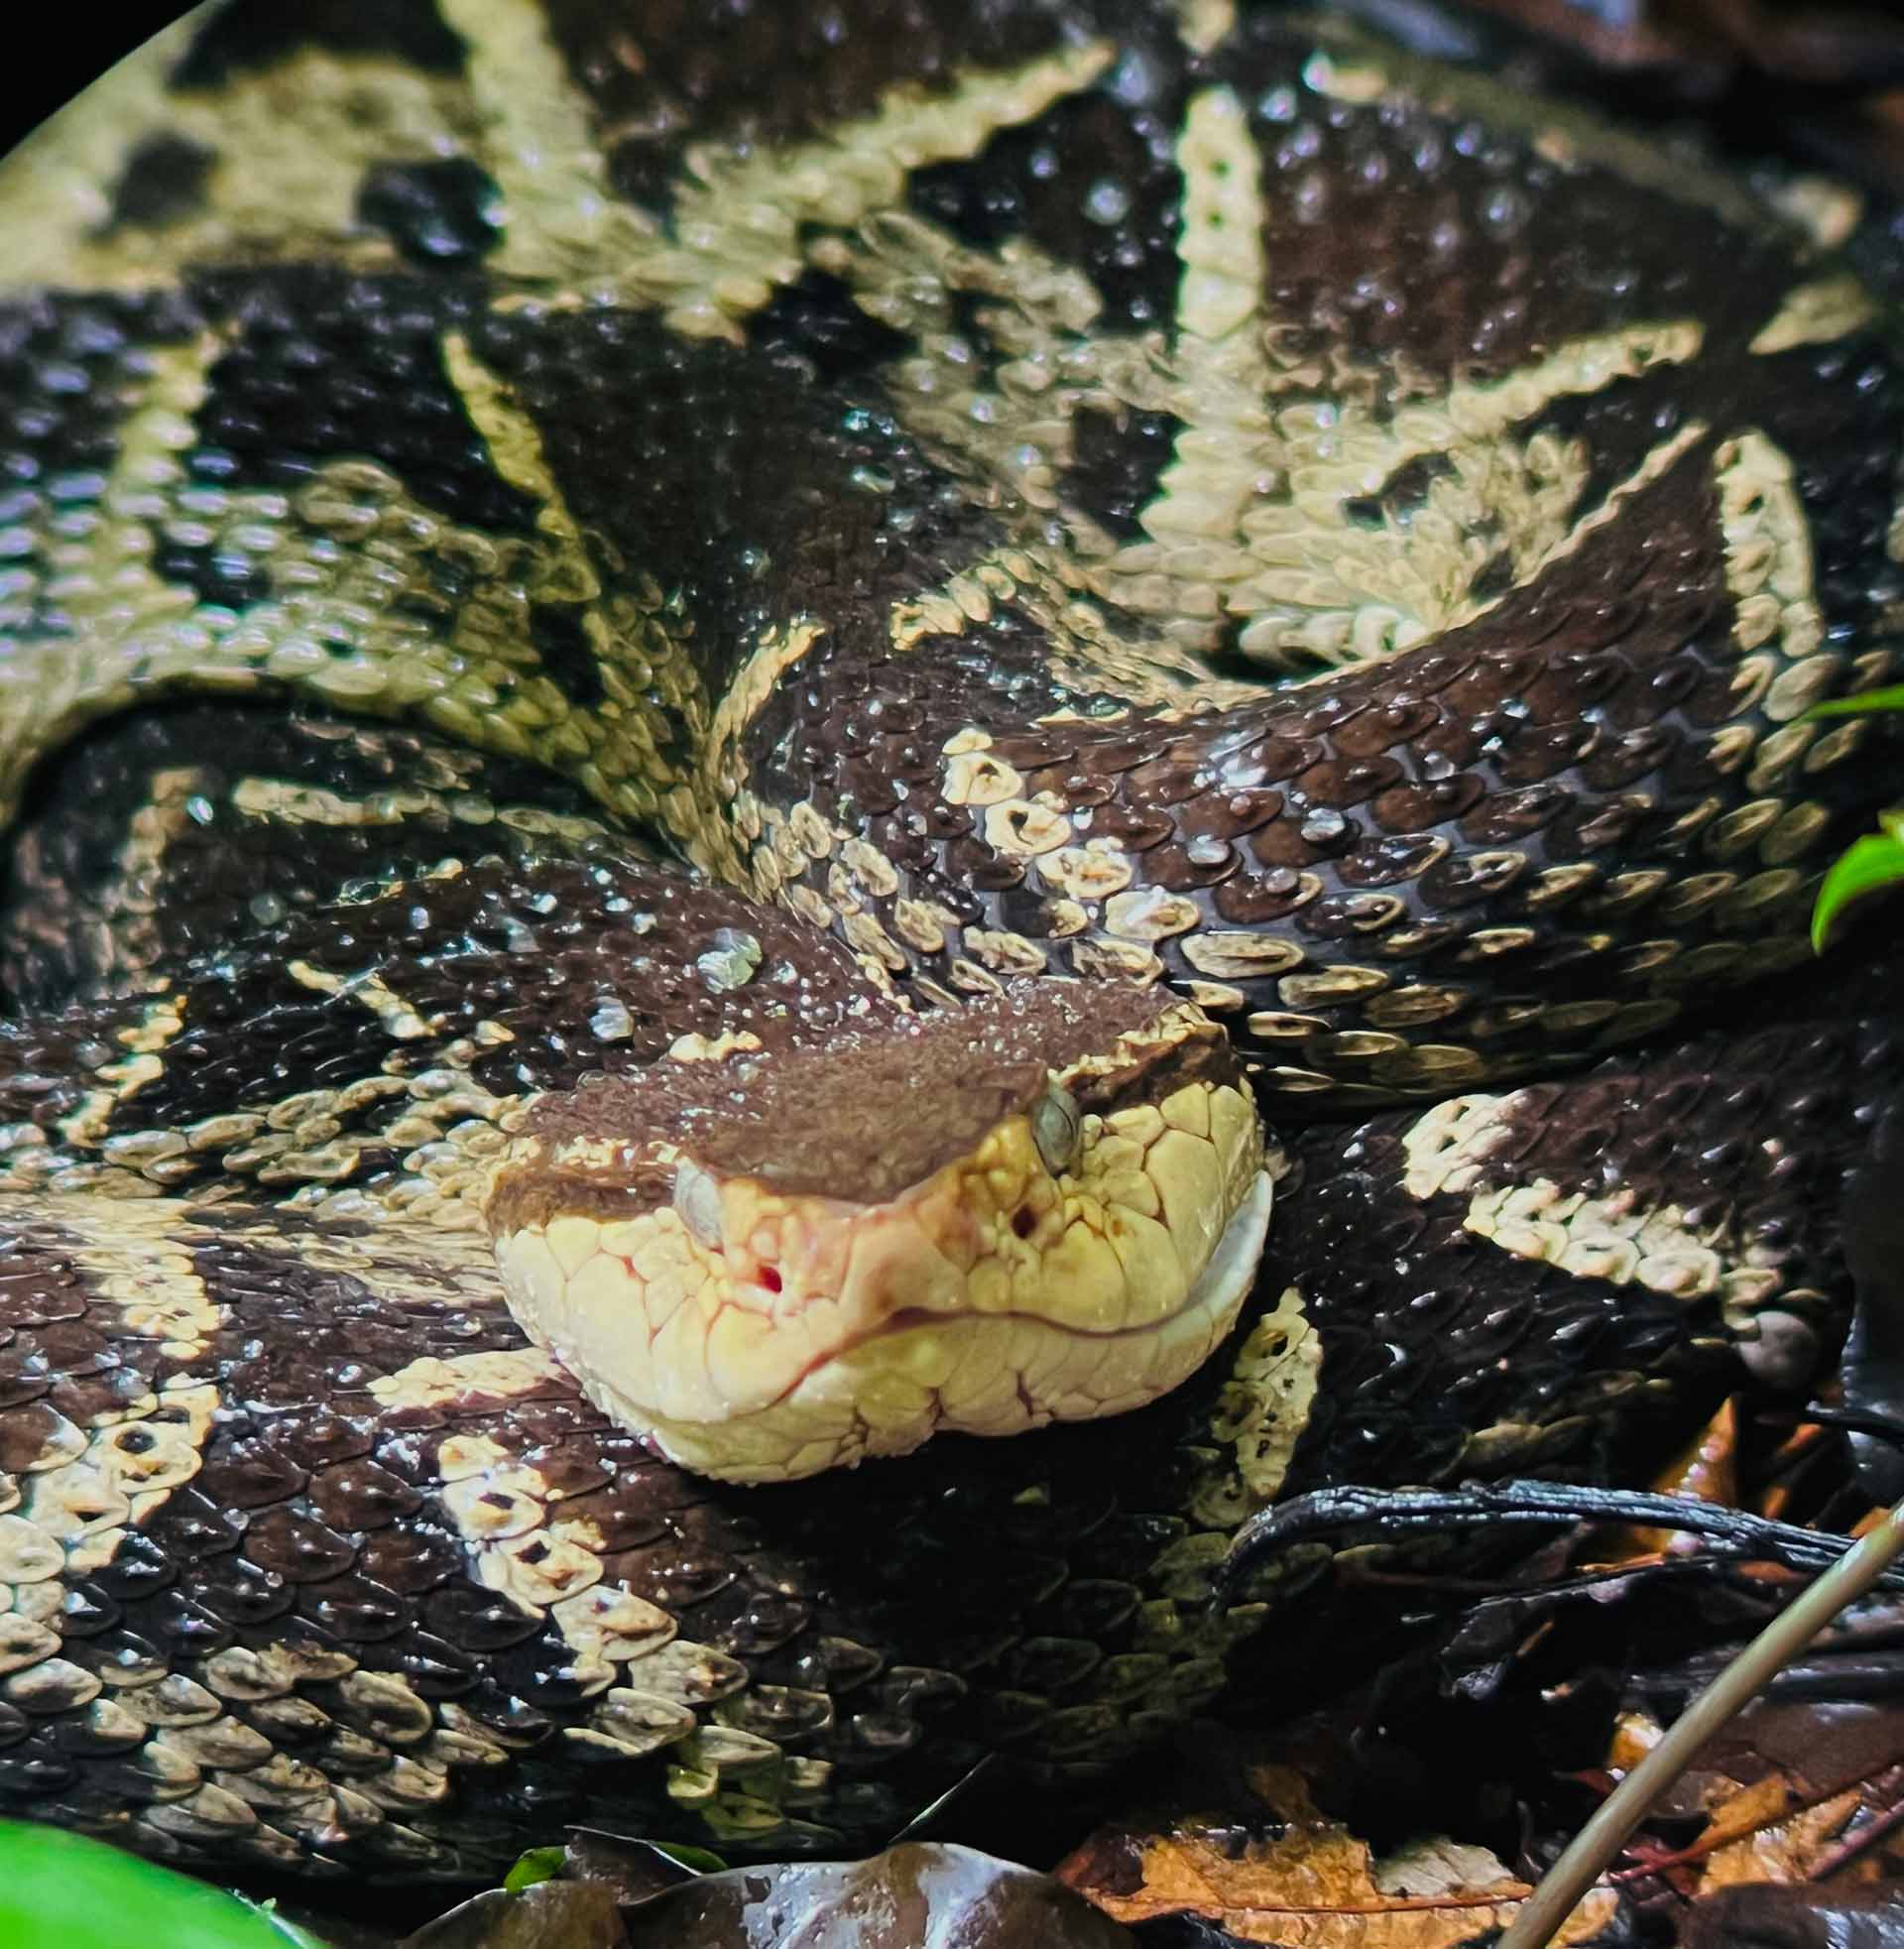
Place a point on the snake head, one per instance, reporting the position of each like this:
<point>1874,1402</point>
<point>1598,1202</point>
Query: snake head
<point>1044,1206</point>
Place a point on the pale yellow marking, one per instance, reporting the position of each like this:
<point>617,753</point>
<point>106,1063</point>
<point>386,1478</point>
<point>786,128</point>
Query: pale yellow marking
<point>1240,956</point>
<point>291,142</point>
<point>1356,83</point>
<point>1205,24</point>
<point>1815,314</point>
<point>620,759</point>
<point>1005,952</point>
<point>279,800</point>
<point>1656,461</point>
<point>521,1545</point>
<point>1054,589</point>
<point>395,1017</point>
<point>96,1484</point>
<point>1149,914</point>
<point>1446,1148</point>
<point>341,556</point>
<point>130,897</point>
<point>977,778</point>
<point>1826,210</point>
<point>1769,571</point>
<point>1329,588</point>
<point>56,185</point>
<point>1252,527</point>
<point>754,683</point>
<point>24,1156</point>
<point>1121,960</point>
<point>1262,1411</point>
<point>1616,1239</point>
<point>132,630</point>
<point>738,216</point>
<point>696,1048</point>
<point>437,1382</point>
<point>563,221</point>
<point>89,1485</point>
<point>1218,471</point>
<point>1023,828</point>
<point>1093,871</point>
<point>1449,1151</point>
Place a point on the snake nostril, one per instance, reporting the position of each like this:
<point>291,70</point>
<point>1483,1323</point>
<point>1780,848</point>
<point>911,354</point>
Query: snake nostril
<point>1023,1222</point>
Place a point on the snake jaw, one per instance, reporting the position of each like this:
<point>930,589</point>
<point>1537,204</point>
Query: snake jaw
<point>1082,1240</point>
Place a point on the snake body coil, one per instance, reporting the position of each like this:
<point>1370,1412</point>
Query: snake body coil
<point>1328,555</point>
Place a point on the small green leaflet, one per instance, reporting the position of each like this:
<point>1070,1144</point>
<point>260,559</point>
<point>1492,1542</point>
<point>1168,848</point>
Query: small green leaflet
<point>544,1864</point>
<point>62,1890</point>
<point>1865,865</point>
<point>1869,864</point>
<point>1889,698</point>
<point>537,1864</point>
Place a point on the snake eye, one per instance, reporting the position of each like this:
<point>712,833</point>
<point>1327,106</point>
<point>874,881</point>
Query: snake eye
<point>1055,1129</point>
<point>698,1199</point>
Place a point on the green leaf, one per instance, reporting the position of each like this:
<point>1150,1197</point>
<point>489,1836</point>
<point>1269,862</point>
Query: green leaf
<point>1892,697</point>
<point>61,1890</point>
<point>1864,867</point>
<point>537,1864</point>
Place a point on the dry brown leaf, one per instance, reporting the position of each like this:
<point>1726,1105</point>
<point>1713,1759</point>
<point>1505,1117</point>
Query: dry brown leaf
<point>1307,1882</point>
<point>1784,1852</point>
<point>1749,1809</point>
<point>1435,1865</point>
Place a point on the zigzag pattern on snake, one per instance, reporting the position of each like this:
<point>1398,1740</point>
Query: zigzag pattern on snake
<point>564,561</point>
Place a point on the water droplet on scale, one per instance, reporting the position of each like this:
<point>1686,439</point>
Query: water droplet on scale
<point>1106,201</point>
<point>730,963</point>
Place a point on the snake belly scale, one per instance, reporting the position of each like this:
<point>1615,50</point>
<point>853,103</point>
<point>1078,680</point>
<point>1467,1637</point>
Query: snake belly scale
<point>763,671</point>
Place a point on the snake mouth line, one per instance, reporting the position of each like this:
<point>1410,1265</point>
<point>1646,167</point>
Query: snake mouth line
<point>920,1372</point>
<point>1218,1291</point>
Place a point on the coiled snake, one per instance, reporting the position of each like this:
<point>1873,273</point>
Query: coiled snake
<point>1327,555</point>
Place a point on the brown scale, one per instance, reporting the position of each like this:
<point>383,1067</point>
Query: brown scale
<point>90,908</point>
<point>662,79</point>
<point>523,973</point>
<point>1456,810</point>
<point>816,1116</point>
<point>1750,1132</point>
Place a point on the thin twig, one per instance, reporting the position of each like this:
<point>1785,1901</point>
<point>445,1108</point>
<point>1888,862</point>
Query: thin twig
<point>1402,1516</point>
<point>1589,1854</point>
<point>1710,1844</point>
<point>1858,1840</point>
